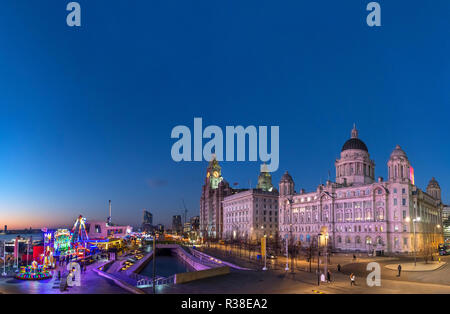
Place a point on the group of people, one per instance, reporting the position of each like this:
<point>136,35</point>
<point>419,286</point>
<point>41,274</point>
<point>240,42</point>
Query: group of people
<point>63,260</point>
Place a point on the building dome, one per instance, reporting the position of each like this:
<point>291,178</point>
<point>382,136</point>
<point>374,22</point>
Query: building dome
<point>433,184</point>
<point>398,152</point>
<point>286,177</point>
<point>354,143</point>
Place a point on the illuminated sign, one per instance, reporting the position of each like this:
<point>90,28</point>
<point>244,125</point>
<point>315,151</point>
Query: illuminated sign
<point>411,174</point>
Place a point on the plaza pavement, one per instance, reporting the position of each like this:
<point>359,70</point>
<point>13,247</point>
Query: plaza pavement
<point>419,266</point>
<point>280,282</point>
<point>91,283</point>
<point>276,280</point>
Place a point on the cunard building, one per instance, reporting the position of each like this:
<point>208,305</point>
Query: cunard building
<point>253,213</point>
<point>359,213</point>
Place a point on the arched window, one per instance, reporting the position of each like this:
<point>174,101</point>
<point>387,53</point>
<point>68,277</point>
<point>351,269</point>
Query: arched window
<point>380,214</point>
<point>379,241</point>
<point>368,240</point>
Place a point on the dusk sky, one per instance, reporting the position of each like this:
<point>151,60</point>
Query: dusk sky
<point>86,113</point>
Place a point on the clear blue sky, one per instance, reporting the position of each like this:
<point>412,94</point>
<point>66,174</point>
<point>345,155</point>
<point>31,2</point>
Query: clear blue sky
<point>86,114</point>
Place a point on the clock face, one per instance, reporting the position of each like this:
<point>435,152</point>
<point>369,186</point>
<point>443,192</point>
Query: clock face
<point>215,174</point>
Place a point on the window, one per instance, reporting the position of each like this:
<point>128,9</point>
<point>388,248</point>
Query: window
<point>395,190</point>
<point>404,201</point>
<point>403,191</point>
<point>395,201</point>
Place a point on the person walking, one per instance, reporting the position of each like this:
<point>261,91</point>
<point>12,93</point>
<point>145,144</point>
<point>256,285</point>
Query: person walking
<point>339,267</point>
<point>328,276</point>
<point>352,279</point>
<point>399,270</point>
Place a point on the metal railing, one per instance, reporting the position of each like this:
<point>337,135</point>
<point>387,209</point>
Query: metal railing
<point>147,282</point>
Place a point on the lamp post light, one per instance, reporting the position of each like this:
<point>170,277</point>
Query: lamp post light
<point>290,201</point>
<point>437,237</point>
<point>265,253</point>
<point>414,231</point>
<point>4,259</point>
<point>326,254</point>
<point>287,253</point>
<point>318,260</point>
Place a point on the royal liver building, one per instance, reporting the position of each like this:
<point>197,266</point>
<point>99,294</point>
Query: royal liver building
<point>359,213</point>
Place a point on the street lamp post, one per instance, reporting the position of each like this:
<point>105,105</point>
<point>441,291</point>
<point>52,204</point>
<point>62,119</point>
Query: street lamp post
<point>154,264</point>
<point>414,230</point>
<point>287,237</point>
<point>437,236</point>
<point>318,259</point>
<point>326,254</point>
<point>4,259</point>
<point>287,257</point>
<point>265,253</point>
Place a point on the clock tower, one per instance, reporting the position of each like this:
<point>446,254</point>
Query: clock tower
<point>213,174</point>
<point>215,189</point>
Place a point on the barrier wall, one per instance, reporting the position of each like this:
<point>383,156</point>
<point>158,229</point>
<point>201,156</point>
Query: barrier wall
<point>201,274</point>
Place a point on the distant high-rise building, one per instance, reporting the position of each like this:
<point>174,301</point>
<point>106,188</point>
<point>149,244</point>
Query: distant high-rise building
<point>187,227</point>
<point>195,223</point>
<point>159,228</point>
<point>177,226</point>
<point>147,221</point>
<point>446,222</point>
<point>6,229</point>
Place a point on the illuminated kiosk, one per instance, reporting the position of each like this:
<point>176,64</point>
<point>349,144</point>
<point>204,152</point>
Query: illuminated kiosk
<point>33,272</point>
<point>62,242</point>
<point>106,235</point>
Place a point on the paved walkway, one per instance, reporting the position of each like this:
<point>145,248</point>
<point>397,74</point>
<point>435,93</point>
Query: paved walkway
<point>280,282</point>
<point>91,283</point>
<point>422,266</point>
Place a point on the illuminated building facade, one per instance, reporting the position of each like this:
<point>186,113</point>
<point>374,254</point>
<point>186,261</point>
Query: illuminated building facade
<point>446,222</point>
<point>102,230</point>
<point>147,221</point>
<point>177,225</point>
<point>214,191</point>
<point>252,214</point>
<point>357,213</point>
